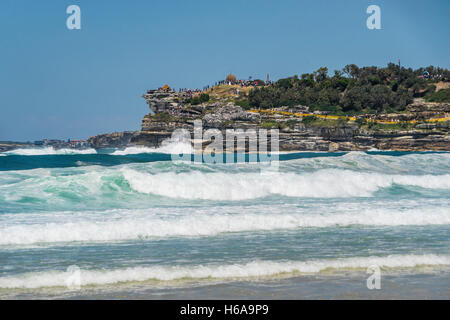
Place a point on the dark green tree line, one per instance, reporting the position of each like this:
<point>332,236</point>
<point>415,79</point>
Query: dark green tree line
<point>352,89</point>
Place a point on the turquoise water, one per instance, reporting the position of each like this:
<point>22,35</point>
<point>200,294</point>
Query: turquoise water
<point>139,221</point>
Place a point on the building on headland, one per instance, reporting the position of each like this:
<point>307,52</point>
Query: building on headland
<point>78,143</point>
<point>59,144</point>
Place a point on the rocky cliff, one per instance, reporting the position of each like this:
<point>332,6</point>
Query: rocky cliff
<point>171,111</point>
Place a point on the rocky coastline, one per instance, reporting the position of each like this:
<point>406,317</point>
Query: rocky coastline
<point>170,112</point>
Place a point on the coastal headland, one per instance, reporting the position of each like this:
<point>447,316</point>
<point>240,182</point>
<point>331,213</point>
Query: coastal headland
<point>356,109</point>
<point>390,108</point>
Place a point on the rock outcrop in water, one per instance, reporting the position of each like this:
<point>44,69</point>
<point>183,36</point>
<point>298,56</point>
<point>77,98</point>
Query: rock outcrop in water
<point>113,140</point>
<point>7,146</point>
<point>171,110</point>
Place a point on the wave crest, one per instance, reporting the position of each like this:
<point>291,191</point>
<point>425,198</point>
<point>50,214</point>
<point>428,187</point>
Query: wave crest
<point>130,225</point>
<point>328,183</point>
<point>168,147</point>
<point>252,269</point>
<point>48,151</point>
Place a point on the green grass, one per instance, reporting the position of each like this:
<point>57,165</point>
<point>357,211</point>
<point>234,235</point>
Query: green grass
<point>319,122</point>
<point>442,95</point>
<point>163,116</point>
<point>272,125</point>
<point>401,126</point>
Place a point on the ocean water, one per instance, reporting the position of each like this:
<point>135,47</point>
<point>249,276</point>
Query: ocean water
<point>135,224</point>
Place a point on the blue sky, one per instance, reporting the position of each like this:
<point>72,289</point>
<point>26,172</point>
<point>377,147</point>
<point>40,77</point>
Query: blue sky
<point>60,83</point>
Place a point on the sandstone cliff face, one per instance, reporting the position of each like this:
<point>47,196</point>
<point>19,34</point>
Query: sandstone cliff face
<point>227,113</point>
<point>306,138</point>
<point>164,100</point>
<point>171,113</point>
<point>300,138</point>
<point>419,110</point>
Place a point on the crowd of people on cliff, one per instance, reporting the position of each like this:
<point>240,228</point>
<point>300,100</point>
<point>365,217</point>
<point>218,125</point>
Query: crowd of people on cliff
<point>427,75</point>
<point>242,83</point>
<point>190,91</point>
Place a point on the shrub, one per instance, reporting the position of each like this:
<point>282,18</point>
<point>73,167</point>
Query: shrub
<point>291,122</point>
<point>360,121</point>
<point>195,100</point>
<point>309,119</point>
<point>244,104</point>
<point>204,97</point>
<point>271,125</point>
<point>442,95</point>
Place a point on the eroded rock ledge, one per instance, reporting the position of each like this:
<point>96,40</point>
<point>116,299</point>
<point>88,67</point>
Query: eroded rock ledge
<point>171,112</point>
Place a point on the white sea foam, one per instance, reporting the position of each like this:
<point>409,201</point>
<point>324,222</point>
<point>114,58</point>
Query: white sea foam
<point>328,183</point>
<point>253,269</point>
<point>128,225</point>
<point>167,146</point>
<point>48,151</point>
<point>410,164</point>
<point>96,184</point>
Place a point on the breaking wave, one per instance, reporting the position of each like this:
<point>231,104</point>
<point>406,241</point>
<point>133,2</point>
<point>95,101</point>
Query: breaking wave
<point>129,225</point>
<point>169,147</point>
<point>48,151</point>
<point>253,269</point>
<point>327,183</point>
<point>100,187</point>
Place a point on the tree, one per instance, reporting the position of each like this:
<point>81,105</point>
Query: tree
<point>308,80</point>
<point>351,70</point>
<point>285,83</point>
<point>381,97</point>
<point>321,74</point>
<point>364,89</point>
